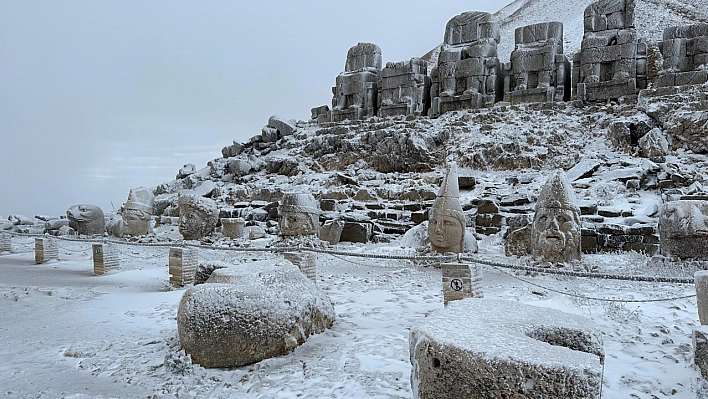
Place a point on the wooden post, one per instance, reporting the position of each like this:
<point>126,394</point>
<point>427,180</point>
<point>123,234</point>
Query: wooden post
<point>105,259</point>
<point>461,280</point>
<point>305,262</point>
<point>45,249</point>
<point>182,266</point>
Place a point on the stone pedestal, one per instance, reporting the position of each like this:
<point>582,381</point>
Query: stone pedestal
<point>105,258</point>
<point>701,281</point>
<point>182,266</point>
<point>700,349</point>
<point>5,242</point>
<point>460,281</point>
<point>305,262</point>
<point>45,249</point>
<point>233,227</point>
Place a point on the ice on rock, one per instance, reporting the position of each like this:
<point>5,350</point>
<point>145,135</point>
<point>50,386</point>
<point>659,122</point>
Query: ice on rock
<point>485,348</point>
<point>250,312</point>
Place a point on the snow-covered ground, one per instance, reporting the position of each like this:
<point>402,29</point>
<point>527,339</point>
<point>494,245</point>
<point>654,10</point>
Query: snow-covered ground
<point>69,334</point>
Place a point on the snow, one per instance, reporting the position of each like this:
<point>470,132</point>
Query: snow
<point>69,334</point>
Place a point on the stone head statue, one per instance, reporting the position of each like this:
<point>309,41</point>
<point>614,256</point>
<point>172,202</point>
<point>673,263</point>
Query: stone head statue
<point>363,56</point>
<point>137,211</point>
<point>555,231</point>
<point>446,227</point>
<point>87,219</point>
<point>197,216</point>
<point>470,27</point>
<point>299,215</point>
<point>683,228</point>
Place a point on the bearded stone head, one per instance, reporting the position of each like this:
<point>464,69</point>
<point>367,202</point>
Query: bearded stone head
<point>555,231</point>
<point>446,226</point>
<point>87,219</point>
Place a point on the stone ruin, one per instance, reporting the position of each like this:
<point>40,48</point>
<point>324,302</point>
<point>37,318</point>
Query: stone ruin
<point>555,231</point>
<point>538,71</point>
<point>299,215</point>
<point>446,227</point>
<point>683,228</point>
<point>468,70</point>
<point>685,52</point>
<point>612,62</point>
<point>484,348</point>
<point>356,89</point>
<point>198,216</point>
<point>404,88</point>
<point>87,219</point>
<point>137,212</point>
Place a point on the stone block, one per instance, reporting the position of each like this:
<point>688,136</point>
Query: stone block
<point>45,249</point>
<point>700,350</point>
<point>304,261</point>
<point>331,231</point>
<point>356,232</point>
<point>460,281</point>
<point>182,266</point>
<point>105,258</point>
<point>5,242</point>
<point>483,348</point>
<point>233,227</point>
<point>487,206</point>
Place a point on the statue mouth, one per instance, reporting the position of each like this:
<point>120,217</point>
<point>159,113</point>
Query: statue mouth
<point>553,238</point>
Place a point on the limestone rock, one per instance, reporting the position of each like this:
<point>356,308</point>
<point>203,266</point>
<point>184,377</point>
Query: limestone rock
<point>356,232</point>
<point>518,242</point>
<point>700,350</point>
<point>198,216</point>
<point>331,231</point>
<point>186,170</point>
<point>446,227</point>
<point>283,126</point>
<point>87,219</point>
<point>231,150</point>
<point>483,348</point>
<point>251,312</point>
<point>683,228</point>
<point>555,231</point>
<point>654,145</point>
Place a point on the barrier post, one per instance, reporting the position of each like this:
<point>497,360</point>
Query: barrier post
<point>5,242</point>
<point>305,262</point>
<point>105,259</point>
<point>45,249</point>
<point>461,280</point>
<point>183,264</point>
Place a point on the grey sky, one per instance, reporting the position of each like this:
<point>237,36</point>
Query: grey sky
<point>97,97</point>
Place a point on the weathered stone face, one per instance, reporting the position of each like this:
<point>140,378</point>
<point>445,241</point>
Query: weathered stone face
<point>683,228</point>
<point>299,215</point>
<point>555,231</point>
<point>87,219</point>
<point>137,212</point>
<point>446,228</point>
<point>197,216</point>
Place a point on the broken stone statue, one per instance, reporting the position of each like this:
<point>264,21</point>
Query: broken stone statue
<point>86,219</point>
<point>555,231</point>
<point>356,89</point>
<point>446,227</point>
<point>137,212</point>
<point>683,228</point>
<point>299,215</point>
<point>197,216</point>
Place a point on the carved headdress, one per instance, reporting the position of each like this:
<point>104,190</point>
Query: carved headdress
<point>299,203</point>
<point>557,193</point>
<point>140,199</point>
<point>447,204</point>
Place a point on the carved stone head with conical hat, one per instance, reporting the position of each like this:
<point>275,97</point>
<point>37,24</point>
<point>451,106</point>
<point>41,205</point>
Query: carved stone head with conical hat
<point>446,227</point>
<point>137,211</point>
<point>555,233</point>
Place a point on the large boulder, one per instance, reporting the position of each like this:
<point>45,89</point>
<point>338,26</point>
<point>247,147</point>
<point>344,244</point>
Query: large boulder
<point>484,348</point>
<point>250,312</point>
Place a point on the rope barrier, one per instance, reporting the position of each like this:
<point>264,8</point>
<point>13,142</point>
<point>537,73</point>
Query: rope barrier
<point>431,258</point>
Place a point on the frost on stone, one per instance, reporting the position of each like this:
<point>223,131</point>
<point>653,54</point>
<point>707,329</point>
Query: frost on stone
<point>250,312</point>
<point>484,348</point>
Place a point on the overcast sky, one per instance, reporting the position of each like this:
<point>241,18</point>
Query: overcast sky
<point>97,97</point>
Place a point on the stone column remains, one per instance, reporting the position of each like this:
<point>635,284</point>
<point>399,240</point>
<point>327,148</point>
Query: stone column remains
<point>45,249</point>
<point>700,279</point>
<point>305,262</point>
<point>182,266</point>
<point>233,227</point>
<point>461,280</point>
<point>105,258</point>
<point>5,242</point>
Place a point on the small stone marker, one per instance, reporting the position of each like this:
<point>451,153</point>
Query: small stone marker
<point>182,266</point>
<point>45,249</point>
<point>461,280</point>
<point>305,262</point>
<point>700,349</point>
<point>700,279</point>
<point>105,259</point>
<point>5,242</point>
